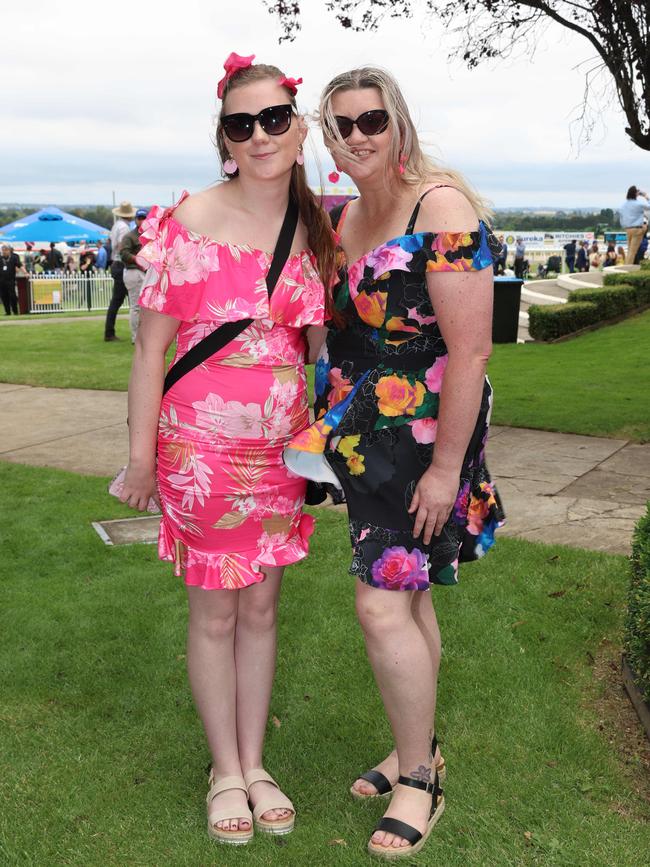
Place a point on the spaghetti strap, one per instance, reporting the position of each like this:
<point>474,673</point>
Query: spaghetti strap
<point>416,209</point>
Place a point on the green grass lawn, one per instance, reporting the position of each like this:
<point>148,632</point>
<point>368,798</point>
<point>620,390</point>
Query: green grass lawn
<point>100,315</point>
<point>67,355</point>
<point>596,384</point>
<point>103,761</point>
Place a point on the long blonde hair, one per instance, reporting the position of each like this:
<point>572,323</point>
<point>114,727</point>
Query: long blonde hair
<point>316,221</point>
<point>419,169</point>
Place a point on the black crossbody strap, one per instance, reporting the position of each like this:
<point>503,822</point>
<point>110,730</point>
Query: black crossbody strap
<point>229,330</point>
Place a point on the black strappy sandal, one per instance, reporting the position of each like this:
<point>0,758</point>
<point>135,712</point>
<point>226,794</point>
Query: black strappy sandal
<point>415,838</point>
<point>383,784</point>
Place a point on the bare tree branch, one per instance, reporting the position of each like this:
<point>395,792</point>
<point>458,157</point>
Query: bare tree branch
<point>617,30</point>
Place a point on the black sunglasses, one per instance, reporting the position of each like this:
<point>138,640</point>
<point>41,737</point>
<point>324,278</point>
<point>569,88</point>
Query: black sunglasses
<point>274,120</point>
<point>369,123</point>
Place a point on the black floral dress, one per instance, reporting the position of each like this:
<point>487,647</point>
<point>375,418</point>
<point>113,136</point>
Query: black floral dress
<point>377,396</point>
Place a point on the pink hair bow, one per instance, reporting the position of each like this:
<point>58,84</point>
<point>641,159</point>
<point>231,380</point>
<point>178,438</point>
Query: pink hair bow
<point>233,63</point>
<point>291,84</point>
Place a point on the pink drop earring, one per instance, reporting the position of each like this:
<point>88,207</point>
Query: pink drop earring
<point>230,166</point>
<point>300,159</point>
<point>334,177</point>
<point>402,162</point>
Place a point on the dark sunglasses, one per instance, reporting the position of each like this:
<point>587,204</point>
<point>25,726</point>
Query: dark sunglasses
<point>274,120</point>
<point>369,123</point>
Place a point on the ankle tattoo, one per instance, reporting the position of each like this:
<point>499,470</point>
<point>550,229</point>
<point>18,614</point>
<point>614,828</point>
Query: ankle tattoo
<point>422,773</point>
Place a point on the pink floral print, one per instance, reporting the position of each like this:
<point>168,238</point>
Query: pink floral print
<point>229,505</point>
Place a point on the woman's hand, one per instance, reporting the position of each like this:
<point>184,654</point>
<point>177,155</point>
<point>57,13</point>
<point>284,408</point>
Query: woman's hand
<point>315,336</point>
<point>139,486</point>
<point>433,500</point>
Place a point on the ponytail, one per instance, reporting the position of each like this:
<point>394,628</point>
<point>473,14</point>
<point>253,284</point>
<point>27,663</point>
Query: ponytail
<point>319,231</point>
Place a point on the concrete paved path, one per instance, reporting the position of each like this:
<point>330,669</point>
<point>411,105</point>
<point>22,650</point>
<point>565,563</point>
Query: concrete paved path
<point>557,488</point>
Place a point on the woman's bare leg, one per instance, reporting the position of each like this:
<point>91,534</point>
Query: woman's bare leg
<point>425,617</point>
<point>212,675</point>
<point>401,661</point>
<point>255,643</point>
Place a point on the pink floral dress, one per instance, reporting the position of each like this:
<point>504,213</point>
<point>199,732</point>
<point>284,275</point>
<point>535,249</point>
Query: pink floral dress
<point>229,504</point>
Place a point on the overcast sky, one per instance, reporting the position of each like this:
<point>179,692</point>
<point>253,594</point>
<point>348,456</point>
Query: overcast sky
<point>119,98</point>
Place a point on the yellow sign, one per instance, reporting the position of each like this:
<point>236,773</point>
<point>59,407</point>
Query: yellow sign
<point>46,292</point>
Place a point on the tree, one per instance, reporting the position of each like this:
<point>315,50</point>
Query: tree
<point>99,214</point>
<point>617,30</point>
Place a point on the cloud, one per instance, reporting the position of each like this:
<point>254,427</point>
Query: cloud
<point>122,98</point>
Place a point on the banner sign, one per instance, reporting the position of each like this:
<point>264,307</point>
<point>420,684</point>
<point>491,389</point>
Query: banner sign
<point>546,239</point>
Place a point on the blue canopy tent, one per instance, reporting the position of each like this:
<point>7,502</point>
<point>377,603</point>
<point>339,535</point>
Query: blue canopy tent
<point>51,224</point>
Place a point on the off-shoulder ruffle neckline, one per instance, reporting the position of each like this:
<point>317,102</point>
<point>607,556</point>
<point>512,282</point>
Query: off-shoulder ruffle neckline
<point>393,242</point>
<point>245,248</point>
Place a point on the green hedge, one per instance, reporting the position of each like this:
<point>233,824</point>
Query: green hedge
<point>622,293</point>
<point>610,300</point>
<point>549,321</point>
<point>637,624</point>
<point>640,280</point>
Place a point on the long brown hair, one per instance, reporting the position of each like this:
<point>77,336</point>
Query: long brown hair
<point>312,214</point>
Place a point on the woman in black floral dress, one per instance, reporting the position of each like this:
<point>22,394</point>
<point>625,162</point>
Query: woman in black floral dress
<point>402,415</point>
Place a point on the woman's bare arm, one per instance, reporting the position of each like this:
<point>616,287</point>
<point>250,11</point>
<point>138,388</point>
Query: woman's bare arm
<point>463,305</point>
<point>316,336</point>
<point>155,334</point>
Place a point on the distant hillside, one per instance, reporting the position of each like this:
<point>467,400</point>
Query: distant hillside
<point>545,219</point>
<point>507,219</point>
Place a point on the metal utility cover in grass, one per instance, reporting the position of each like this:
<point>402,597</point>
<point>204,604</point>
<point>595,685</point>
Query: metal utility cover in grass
<point>128,531</point>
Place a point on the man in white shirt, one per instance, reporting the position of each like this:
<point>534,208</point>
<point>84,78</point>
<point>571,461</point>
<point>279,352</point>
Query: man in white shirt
<point>133,271</point>
<point>634,219</point>
<point>123,214</point>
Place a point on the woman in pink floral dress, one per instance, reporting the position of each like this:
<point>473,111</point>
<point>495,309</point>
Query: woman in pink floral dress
<point>232,513</point>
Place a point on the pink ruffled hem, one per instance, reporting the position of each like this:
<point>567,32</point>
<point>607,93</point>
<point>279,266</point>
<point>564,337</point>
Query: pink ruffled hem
<point>217,571</point>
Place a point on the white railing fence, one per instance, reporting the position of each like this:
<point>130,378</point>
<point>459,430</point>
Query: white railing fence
<point>60,292</point>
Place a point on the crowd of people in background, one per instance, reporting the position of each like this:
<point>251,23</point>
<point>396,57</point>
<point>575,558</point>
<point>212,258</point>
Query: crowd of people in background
<point>118,252</point>
<point>116,255</point>
<point>582,256</point>
<point>52,260</point>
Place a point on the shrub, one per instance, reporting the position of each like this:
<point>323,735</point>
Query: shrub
<point>622,293</point>
<point>548,321</point>
<point>640,280</point>
<point>610,300</point>
<point>637,625</point>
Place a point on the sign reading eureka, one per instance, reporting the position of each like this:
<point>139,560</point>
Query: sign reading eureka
<point>547,239</point>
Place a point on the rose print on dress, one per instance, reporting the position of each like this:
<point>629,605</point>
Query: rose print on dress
<point>396,396</point>
<point>424,430</point>
<point>385,259</point>
<point>399,569</point>
<point>371,307</point>
<point>434,374</point>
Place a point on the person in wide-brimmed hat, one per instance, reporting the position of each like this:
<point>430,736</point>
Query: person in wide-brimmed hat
<point>123,214</point>
<point>124,210</point>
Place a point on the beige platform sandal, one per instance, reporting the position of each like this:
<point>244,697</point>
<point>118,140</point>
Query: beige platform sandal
<point>277,801</point>
<point>219,814</point>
